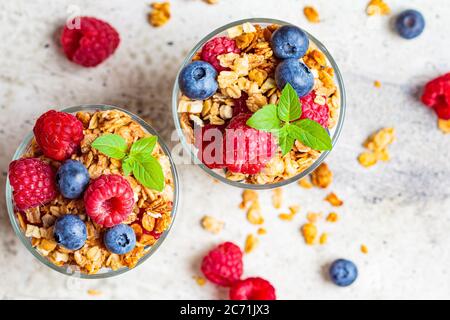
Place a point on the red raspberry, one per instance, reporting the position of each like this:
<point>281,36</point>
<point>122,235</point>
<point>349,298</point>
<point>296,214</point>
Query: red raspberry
<point>252,289</point>
<point>90,44</point>
<point>32,181</point>
<point>436,95</point>
<point>109,200</point>
<point>240,105</point>
<point>223,265</point>
<point>58,134</point>
<point>209,140</point>
<point>314,111</point>
<point>247,150</point>
<point>215,47</point>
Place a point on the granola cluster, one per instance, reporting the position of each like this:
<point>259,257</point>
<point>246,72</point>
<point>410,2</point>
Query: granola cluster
<point>151,214</point>
<point>377,147</point>
<point>249,75</point>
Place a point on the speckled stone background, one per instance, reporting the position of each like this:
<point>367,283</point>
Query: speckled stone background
<point>400,210</point>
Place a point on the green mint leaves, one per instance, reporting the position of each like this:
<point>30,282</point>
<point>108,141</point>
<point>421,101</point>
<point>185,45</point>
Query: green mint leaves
<point>283,121</point>
<point>139,160</point>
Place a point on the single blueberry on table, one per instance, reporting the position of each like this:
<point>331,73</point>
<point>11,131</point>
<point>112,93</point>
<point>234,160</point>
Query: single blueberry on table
<point>120,239</point>
<point>70,232</point>
<point>72,179</point>
<point>289,42</point>
<point>198,80</point>
<point>295,73</point>
<point>343,272</point>
<point>410,24</point>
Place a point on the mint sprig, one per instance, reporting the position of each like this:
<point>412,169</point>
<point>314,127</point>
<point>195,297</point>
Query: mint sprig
<point>139,160</point>
<point>283,121</point>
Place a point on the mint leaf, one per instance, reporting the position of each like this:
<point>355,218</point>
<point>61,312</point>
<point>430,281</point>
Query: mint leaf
<point>144,145</point>
<point>265,119</point>
<point>112,145</point>
<point>289,108</point>
<point>311,134</point>
<point>285,141</point>
<point>127,166</point>
<point>149,173</point>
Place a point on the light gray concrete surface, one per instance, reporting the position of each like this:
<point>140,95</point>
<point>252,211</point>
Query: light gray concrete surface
<point>400,210</point>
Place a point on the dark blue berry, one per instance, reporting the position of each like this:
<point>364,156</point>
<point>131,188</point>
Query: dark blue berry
<point>410,24</point>
<point>120,239</point>
<point>72,179</point>
<point>70,232</point>
<point>343,272</point>
<point>198,80</point>
<point>295,73</point>
<point>289,42</point>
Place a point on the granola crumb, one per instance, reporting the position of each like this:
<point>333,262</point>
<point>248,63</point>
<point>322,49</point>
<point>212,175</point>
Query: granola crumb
<point>333,199</point>
<point>377,84</point>
<point>254,215</point>
<point>322,176</point>
<point>199,280</point>
<point>332,217</point>
<point>378,7</point>
<point>211,1</point>
<point>305,183</point>
<point>250,243</point>
<point>323,238</point>
<point>160,14</point>
<point>364,249</point>
<point>444,125</point>
<point>93,292</point>
<point>248,196</point>
<point>377,147</point>
<point>277,198</point>
<point>311,14</point>
<point>293,210</point>
<point>309,232</point>
<point>313,217</point>
<point>212,224</point>
<point>262,231</point>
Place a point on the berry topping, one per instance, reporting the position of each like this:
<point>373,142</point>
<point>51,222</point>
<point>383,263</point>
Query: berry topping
<point>295,73</point>
<point>72,179</point>
<point>109,200</point>
<point>343,272</point>
<point>436,95</point>
<point>312,110</point>
<point>58,134</point>
<point>215,47</point>
<point>32,181</point>
<point>289,42</point>
<point>120,239</point>
<point>410,24</point>
<point>240,105</point>
<point>70,232</point>
<point>198,80</point>
<point>252,289</point>
<point>223,265</point>
<point>247,150</point>
<point>209,142</point>
<point>89,41</point>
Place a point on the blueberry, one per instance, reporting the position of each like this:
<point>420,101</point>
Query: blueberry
<point>198,80</point>
<point>72,179</point>
<point>70,232</point>
<point>289,42</point>
<point>120,239</point>
<point>297,74</point>
<point>343,272</point>
<point>410,24</point>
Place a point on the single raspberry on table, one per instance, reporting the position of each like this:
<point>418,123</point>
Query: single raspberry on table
<point>209,142</point>
<point>247,150</point>
<point>216,47</point>
<point>32,181</point>
<point>223,265</point>
<point>89,42</point>
<point>436,95</point>
<point>312,110</point>
<point>109,200</point>
<point>58,134</point>
<point>252,289</point>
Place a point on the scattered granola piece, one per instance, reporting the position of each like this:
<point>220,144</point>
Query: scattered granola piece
<point>333,199</point>
<point>323,238</point>
<point>309,232</point>
<point>212,224</point>
<point>93,292</point>
<point>377,84</point>
<point>160,14</point>
<point>377,7</point>
<point>254,215</point>
<point>277,198</point>
<point>444,125</point>
<point>262,231</point>
<point>248,196</point>
<point>377,145</point>
<point>250,243</point>
<point>311,14</point>
<point>322,176</point>
<point>293,210</point>
<point>211,1</point>
<point>332,217</point>
<point>367,159</point>
<point>364,249</point>
<point>305,183</point>
<point>313,217</point>
<point>199,280</point>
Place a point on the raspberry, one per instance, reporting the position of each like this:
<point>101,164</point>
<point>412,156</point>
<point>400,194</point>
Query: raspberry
<point>215,47</point>
<point>90,44</point>
<point>32,181</point>
<point>247,150</point>
<point>223,265</point>
<point>436,95</point>
<point>240,105</point>
<point>209,140</point>
<point>252,289</point>
<point>314,111</point>
<point>109,200</point>
<point>58,134</point>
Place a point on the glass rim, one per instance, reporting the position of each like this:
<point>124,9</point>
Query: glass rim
<point>189,148</point>
<point>67,270</point>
